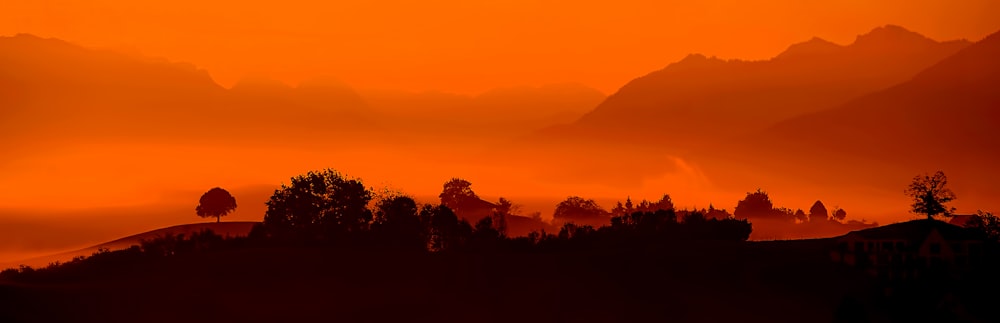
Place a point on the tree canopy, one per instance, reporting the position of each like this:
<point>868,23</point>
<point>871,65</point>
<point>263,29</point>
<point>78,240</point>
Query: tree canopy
<point>930,194</point>
<point>457,192</point>
<point>986,223</point>
<point>756,204</point>
<point>818,212</point>
<point>216,203</point>
<point>576,208</point>
<point>320,203</point>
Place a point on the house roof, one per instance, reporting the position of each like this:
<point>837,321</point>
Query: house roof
<point>916,230</point>
<point>961,219</point>
<point>477,204</point>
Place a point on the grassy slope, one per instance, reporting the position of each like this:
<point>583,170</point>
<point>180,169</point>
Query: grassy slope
<point>237,228</point>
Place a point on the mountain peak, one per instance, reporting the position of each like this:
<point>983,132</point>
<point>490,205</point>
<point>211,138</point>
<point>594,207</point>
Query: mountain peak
<point>696,61</point>
<point>810,47</point>
<point>696,57</point>
<point>891,35</point>
<point>32,40</point>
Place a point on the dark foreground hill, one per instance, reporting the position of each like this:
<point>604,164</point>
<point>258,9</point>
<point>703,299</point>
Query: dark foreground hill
<point>790,281</point>
<point>231,229</point>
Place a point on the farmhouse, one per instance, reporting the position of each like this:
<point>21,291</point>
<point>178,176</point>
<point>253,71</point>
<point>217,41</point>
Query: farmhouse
<point>912,249</point>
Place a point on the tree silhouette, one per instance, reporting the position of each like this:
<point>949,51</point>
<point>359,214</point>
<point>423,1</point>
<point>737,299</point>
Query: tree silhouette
<point>801,215</point>
<point>665,203</point>
<point>504,209</point>
<point>217,203</point>
<point>755,204</point>
<point>818,212</point>
<point>930,195</point>
<point>322,203</point>
<point>444,230</point>
<point>618,210</point>
<point>397,223</point>
<point>694,218</point>
<point>576,208</point>
<point>986,223</point>
<point>457,192</point>
<point>839,214</point>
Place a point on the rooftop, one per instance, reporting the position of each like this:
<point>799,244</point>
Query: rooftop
<point>916,230</point>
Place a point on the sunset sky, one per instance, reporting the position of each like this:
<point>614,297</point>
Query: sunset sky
<point>473,46</point>
<point>463,47</point>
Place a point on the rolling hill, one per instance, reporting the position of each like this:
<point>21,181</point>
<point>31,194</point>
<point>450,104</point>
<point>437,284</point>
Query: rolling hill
<point>221,228</point>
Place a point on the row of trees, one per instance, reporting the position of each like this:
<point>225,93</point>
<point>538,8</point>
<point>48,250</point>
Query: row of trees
<point>327,207</point>
<point>756,205</point>
<point>929,194</point>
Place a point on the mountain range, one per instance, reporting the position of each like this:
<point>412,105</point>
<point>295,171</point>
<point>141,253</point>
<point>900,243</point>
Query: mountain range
<point>943,118</point>
<point>818,117</point>
<point>701,99</point>
<point>872,113</point>
<point>56,91</point>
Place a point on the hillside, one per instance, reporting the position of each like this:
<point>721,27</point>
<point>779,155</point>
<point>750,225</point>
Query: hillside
<point>222,228</point>
<point>753,282</point>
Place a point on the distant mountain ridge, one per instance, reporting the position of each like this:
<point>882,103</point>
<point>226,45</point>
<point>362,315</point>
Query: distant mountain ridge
<point>943,118</point>
<point>705,97</point>
<point>64,92</point>
<point>57,91</point>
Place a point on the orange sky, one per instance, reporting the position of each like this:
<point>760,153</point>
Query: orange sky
<point>472,46</point>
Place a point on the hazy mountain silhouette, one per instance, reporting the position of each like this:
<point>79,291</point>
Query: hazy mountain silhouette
<point>943,118</point>
<point>57,91</point>
<point>61,91</point>
<point>701,97</point>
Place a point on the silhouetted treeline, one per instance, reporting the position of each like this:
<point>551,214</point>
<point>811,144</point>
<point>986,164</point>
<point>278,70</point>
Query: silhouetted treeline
<point>643,229</point>
<point>326,209</point>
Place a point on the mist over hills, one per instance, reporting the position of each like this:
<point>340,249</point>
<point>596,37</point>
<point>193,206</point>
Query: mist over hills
<point>56,91</point>
<point>502,112</point>
<point>860,119</point>
<point>809,115</point>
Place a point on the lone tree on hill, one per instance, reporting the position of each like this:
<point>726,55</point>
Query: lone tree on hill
<point>930,195</point>
<point>217,203</point>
